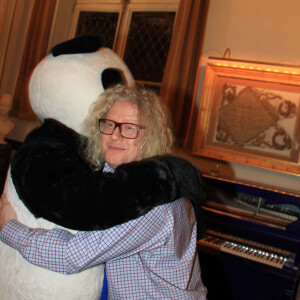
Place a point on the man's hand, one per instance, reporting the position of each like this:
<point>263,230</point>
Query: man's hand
<point>7,213</point>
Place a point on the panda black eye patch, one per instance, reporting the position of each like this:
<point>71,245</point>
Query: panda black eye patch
<point>111,77</point>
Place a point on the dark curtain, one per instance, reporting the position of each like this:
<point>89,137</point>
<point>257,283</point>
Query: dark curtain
<point>181,69</point>
<point>35,49</point>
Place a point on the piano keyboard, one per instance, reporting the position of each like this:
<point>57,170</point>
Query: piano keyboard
<point>247,249</point>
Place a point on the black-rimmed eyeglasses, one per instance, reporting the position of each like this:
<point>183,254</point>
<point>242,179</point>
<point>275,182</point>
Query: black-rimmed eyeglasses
<point>127,130</point>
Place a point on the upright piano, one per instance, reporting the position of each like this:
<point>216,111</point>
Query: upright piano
<point>250,249</point>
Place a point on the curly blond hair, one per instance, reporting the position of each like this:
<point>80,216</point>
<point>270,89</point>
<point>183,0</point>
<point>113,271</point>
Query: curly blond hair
<point>157,138</point>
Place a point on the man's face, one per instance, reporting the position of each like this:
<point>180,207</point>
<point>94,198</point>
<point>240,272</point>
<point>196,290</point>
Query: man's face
<point>115,148</point>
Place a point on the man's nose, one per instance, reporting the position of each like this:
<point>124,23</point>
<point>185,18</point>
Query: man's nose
<point>116,133</point>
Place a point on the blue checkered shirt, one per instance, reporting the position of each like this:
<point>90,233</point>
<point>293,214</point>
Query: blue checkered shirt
<point>152,257</point>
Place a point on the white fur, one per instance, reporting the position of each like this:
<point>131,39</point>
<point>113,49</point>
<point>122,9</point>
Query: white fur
<point>62,88</point>
<point>22,280</point>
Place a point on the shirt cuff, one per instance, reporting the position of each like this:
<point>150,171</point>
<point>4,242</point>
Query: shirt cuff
<point>12,232</point>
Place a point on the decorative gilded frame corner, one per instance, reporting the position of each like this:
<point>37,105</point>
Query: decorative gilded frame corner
<point>250,116</point>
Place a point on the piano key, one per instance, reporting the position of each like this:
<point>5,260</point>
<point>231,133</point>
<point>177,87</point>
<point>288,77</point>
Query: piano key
<point>258,254</point>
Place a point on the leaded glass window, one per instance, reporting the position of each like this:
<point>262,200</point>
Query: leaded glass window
<point>98,23</point>
<point>148,44</point>
<point>140,34</point>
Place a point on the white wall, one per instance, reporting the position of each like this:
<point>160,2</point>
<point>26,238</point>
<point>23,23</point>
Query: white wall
<point>260,30</point>
<point>267,30</point>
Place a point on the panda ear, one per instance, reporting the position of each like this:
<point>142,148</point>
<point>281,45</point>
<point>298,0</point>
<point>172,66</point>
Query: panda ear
<point>81,44</point>
<point>111,77</point>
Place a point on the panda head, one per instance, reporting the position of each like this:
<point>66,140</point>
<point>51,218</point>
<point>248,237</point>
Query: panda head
<point>67,81</point>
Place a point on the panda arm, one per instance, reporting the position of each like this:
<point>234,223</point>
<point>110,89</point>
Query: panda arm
<point>55,183</point>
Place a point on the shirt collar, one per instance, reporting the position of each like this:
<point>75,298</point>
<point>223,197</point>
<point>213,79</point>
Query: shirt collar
<point>108,168</point>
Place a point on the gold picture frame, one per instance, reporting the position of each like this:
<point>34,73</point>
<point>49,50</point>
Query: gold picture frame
<point>250,116</point>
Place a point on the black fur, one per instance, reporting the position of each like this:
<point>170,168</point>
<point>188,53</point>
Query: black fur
<point>56,183</point>
<point>111,77</point>
<point>81,44</point>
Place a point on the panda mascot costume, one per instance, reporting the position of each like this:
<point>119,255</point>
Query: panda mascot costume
<point>50,184</point>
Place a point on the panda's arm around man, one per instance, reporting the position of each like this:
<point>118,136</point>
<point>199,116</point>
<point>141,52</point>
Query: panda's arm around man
<point>56,183</point>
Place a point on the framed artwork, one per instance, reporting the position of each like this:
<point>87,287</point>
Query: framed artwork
<point>250,116</point>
